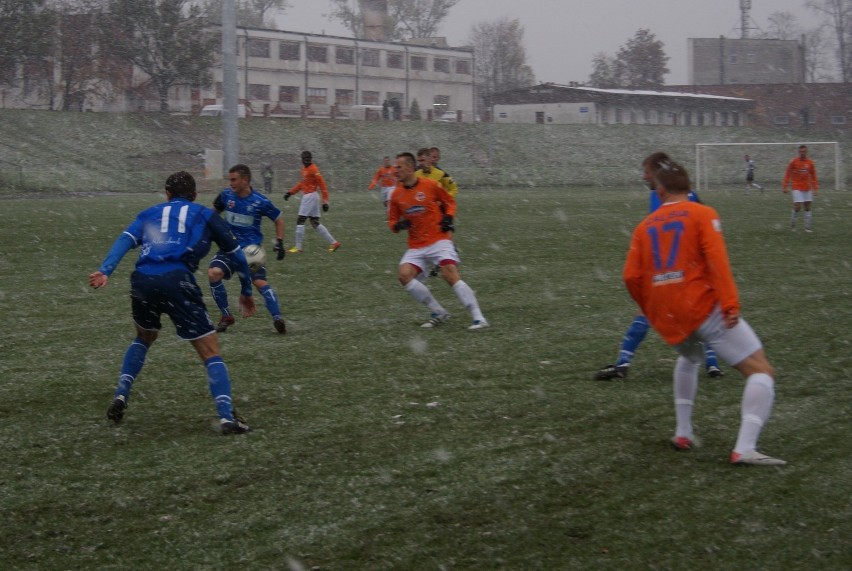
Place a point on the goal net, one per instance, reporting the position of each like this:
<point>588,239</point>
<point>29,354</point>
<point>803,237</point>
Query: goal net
<point>721,166</point>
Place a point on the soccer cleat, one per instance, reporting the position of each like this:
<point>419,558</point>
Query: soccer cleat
<point>808,229</point>
<point>295,250</point>
<point>224,323</point>
<point>334,247</point>
<point>715,372</point>
<point>234,426</point>
<point>611,372</point>
<point>683,443</point>
<point>478,324</point>
<point>436,320</point>
<point>755,458</point>
<point>279,325</point>
<point>115,412</point>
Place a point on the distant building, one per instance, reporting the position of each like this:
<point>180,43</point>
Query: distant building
<point>723,61</point>
<point>279,73</point>
<point>562,104</point>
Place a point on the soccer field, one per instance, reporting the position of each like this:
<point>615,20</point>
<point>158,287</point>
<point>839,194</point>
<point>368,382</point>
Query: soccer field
<point>380,445</point>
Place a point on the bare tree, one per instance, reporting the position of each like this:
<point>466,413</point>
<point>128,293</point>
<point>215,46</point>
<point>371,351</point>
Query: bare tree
<point>406,19</point>
<point>501,59</point>
<point>250,13</point>
<point>817,48</point>
<point>837,16</point>
<point>26,37</point>
<point>164,38</point>
<point>781,26</point>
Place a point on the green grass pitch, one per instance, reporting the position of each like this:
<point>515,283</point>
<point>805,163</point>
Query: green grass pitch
<point>379,445</point>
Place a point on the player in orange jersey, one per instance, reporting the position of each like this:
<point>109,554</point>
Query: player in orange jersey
<point>386,178</point>
<point>426,210</point>
<point>801,176</point>
<point>678,272</point>
<point>313,190</point>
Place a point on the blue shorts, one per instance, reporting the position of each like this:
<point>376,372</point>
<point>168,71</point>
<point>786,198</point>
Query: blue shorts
<point>177,295</point>
<point>224,262</point>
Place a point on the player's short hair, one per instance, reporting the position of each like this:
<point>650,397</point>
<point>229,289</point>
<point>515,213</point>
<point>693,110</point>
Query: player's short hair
<point>654,159</point>
<point>409,158</point>
<point>802,147</point>
<point>425,151</point>
<point>672,177</point>
<point>307,155</point>
<point>435,149</point>
<point>241,170</point>
<point>181,184</point>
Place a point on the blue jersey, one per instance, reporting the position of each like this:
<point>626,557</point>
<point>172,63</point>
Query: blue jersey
<point>655,200</point>
<point>174,235</point>
<point>244,215</point>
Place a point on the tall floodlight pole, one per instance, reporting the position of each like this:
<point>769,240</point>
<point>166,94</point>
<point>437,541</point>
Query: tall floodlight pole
<point>745,6</point>
<point>230,131</point>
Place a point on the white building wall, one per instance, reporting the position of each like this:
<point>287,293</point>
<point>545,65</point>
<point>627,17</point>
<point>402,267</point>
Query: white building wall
<point>551,113</point>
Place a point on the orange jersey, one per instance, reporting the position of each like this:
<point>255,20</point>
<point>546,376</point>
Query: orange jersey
<point>311,182</point>
<point>801,173</point>
<point>677,269</point>
<point>424,204</point>
<point>385,176</point>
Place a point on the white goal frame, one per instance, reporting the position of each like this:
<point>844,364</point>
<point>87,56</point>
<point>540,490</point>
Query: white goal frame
<point>701,182</point>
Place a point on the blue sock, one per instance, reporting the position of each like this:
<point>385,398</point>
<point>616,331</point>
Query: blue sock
<point>220,296</point>
<point>632,339</point>
<point>134,359</point>
<point>271,301</point>
<point>710,358</point>
<point>220,386</point>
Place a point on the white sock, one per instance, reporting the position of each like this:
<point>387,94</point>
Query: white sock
<point>758,395</point>
<point>808,219</point>
<point>468,299</point>
<point>685,388</point>
<point>323,231</point>
<point>421,293</point>
<point>300,235</point>
<point>793,218</point>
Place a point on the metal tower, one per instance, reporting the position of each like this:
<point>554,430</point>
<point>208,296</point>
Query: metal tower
<point>745,6</point>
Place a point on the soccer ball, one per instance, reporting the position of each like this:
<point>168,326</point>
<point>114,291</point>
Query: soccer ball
<point>256,256</point>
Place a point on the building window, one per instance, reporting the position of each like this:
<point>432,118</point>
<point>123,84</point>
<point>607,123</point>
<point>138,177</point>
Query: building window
<point>700,119</point>
<point>317,95</point>
<point>258,48</point>
<point>781,120</point>
<point>418,63</point>
<point>258,92</point>
<point>751,58</point>
<point>288,94</point>
<point>290,51</point>
<point>391,95</point>
<point>733,59</point>
<point>441,104</point>
<point>463,66</point>
<point>344,55</point>
<point>318,54</point>
<point>370,98</point>
<point>724,117</point>
<point>395,60</point>
<point>441,64</point>
<point>370,57</point>
<point>618,115</point>
<point>344,96</point>
<point>735,118</point>
<point>838,120</point>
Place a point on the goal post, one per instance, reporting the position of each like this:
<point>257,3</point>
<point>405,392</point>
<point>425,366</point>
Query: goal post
<point>722,165</point>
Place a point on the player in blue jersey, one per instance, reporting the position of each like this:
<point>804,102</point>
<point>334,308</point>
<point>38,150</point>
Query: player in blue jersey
<point>243,209</point>
<point>173,238</point>
<point>635,334</point>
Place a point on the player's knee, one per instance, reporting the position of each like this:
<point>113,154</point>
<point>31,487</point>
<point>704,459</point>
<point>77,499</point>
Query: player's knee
<point>315,222</point>
<point>300,221</point>
<point>215,274</point>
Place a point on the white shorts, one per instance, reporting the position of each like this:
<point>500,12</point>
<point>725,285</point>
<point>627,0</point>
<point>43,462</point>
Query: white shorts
<point>310,205</point>
<point>433,255</point>
<point>386,193</point>
<point>803,196</point>
<point>732,345</point>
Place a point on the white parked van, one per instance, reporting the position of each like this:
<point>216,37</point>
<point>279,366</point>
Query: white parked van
<point>216,111</point>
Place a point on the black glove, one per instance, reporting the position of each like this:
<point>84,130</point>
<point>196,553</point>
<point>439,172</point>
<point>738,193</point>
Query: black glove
<point>402,225</point>
<point>447,223</point>
<point>279,247</point>
<point>286,196</point>
<point>325,207</point>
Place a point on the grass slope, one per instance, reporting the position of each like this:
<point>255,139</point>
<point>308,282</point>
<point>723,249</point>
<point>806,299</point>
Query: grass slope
<point>381,445</point>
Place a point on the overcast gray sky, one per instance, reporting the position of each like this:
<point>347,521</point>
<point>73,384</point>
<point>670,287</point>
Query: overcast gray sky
<point>562,36</point>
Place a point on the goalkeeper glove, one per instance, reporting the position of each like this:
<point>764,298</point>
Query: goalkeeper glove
<point>402,225</point>
<point>279,248</point>
<point>286,196</point>
<point>325,207</point>
<point>447,223</point>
